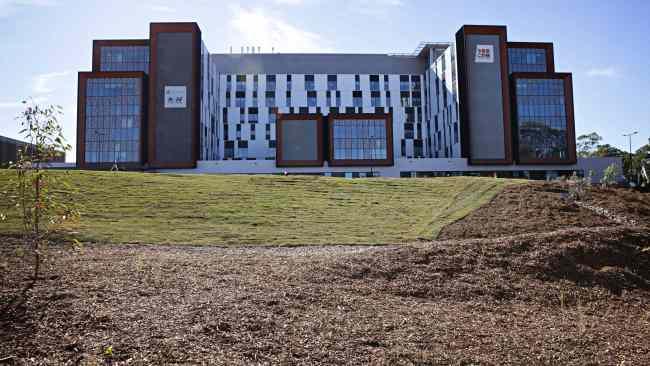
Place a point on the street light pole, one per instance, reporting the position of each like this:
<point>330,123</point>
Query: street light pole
<point>629,136</point>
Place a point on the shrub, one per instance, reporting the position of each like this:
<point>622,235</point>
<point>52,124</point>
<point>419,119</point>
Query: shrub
<point>609,176</point>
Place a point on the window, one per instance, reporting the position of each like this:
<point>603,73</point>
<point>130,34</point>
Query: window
<point>408,130</point>
<point>256,80</point>
<point>241,83</point>
<point>254,100</point>
<point>303,110</point>
<point>252,132</point>
<point>272,144</point>
<point>418,152</point>
<point>229,150</point>
<point>252,115</point>
<point>240,99</point>
<point>357,99</point>
<point>309,82</point>
<point>357,82</point>
<point>242,149</point>
<point>415,83</point>
<point>338,99</point>
<point>388,102</point>
<point>328,98</point>
<point>386,85</point>
<point>455,132</point>
<point>273,115</point>
<point>410,114</point>
<point>228,82</point>
<point>374,83</point>
<point>289,82</point>
<point>228,99</point>
<point>404,97</point>
<point>270,82</point>
<point>124,58</point>
<point>541,119</point>
<point>113,120</point>
<point>416,99</point>
<point>527,59</point>
<point>288,99</point>
<point>404,84</point>
<point>359,139</point>
<point>331,82</point>
<point>311,98</point>
<point>375,99</point>
<point>270,98</point>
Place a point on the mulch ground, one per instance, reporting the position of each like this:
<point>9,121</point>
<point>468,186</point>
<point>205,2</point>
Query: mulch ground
<point>577,295</point>
<point>539,207</point>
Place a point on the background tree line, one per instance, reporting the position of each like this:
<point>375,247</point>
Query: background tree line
<point>591,145</point>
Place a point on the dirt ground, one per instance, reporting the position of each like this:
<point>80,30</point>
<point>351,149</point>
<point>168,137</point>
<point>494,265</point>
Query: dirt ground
<point>577,295</point>
<point>539,207</point>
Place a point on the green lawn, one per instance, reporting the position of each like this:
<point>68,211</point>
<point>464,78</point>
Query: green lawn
<point>235,209</point>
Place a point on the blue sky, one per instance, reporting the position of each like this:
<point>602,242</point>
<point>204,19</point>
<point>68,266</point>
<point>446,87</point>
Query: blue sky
<point>43,43</point>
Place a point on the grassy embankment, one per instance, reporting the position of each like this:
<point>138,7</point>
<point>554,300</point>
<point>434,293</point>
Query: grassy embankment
<point>230,210</point>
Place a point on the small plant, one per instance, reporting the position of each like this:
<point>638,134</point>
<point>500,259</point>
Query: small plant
<point>40,195</point>
<point>579,187</point>
<point>609,176</point>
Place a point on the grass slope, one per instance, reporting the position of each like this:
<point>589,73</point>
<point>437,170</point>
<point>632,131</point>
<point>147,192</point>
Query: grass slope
<point>209,209</point>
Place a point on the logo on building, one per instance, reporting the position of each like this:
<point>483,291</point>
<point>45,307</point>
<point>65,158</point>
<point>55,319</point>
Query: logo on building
<point>175,97</point>
<point>484,53</point>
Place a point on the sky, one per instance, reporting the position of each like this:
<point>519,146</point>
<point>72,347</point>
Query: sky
<point>44,43</point>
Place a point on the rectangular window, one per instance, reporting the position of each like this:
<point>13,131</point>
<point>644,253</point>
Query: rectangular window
<point>404,84</point>
<point>405,99</point>
<point>242,149</point>
<point>273,114</point>
<point>270,82</point>
<point>415,83</point>
<point>309,82</point>
<point>357,82</point>
<point>124,58</point>
<point>241,83</point>
<point>359,139</point>
<point>240,99</point>
<point>338,99</point>
<point>408,130</point>
<point>541,119</point>
<point>252,115</point>
<point>254,99</point>
<point>388,101</point>
<point>311,98</point>
<point>357,99</point>
<point>270,98</point>
<point>288,99</point>
<point>289,82</point>
<point>328,98</point>
<point>332,82</point>
<point>375,98</point>
<point>229,150</point>
<point>374,83</point>
<point>527,60</point>
<point>113,120</point>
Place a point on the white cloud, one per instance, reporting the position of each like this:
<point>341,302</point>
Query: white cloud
<point>42,81</point>
<point>258,28</point>
<point>609,72</point>
<point>163,9</point>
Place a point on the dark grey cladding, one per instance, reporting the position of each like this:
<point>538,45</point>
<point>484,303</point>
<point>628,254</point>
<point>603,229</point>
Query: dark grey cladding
<point>317,63</point>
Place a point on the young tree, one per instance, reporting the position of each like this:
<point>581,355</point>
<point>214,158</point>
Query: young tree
<point>41,198</point>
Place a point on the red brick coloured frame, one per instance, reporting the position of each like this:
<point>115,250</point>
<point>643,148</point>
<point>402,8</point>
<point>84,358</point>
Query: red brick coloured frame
<point>81,113</point>
<point>99,43</point>
<point>154,30</point>
<point>279,160</point>
<point>500,31</point>
<point>388,119</point>
<point>547,46</point>
<point>570,122</point>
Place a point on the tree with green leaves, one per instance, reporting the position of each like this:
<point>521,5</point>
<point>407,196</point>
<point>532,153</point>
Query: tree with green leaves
<point>587,144</point>
<point>41,196</point>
